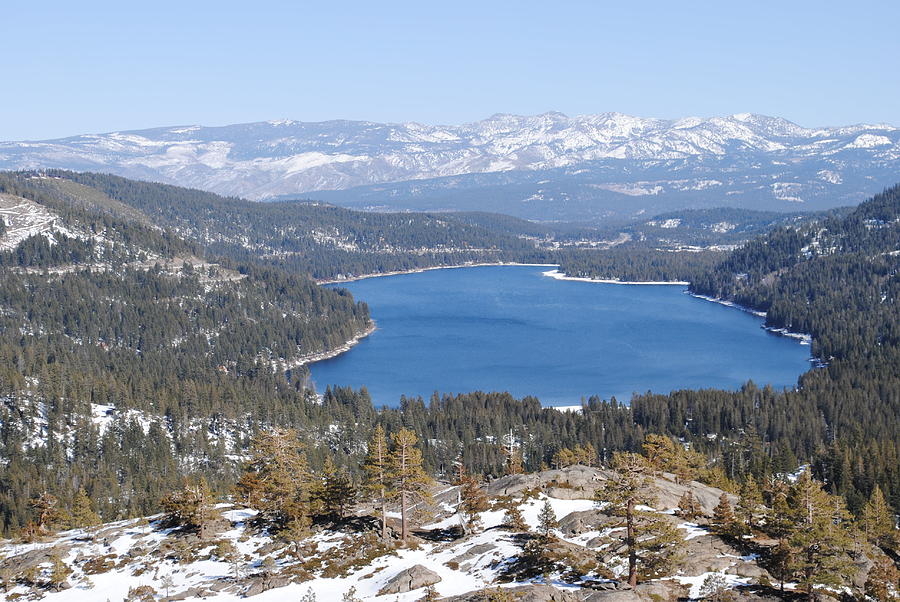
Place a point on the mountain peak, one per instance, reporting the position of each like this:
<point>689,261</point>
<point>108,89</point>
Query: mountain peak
<point>284,156</point>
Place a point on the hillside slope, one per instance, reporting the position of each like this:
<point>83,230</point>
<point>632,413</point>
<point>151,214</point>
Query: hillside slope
<point>239,560</point>
<point>128,359</point>
<point>321,240</point>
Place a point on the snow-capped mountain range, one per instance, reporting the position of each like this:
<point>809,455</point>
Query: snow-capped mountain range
<point>552,161</point>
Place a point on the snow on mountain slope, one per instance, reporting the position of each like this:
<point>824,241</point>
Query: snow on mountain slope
<point>26,218</point>
<point>275,158</point>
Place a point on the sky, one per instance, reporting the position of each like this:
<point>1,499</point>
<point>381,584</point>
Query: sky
<point>91,67</point>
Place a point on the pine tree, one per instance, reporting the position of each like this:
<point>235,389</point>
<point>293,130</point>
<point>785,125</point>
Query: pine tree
<point>547,521</point>
<point>190,507</point>
<point>167,583</point>
<point>430,595</point>
<point>336,491</point>
<point>780,560</point>
<point>309,596</point>
<point>652,543</point>
<point>377,466</point>
<point>819,538</point>
<point>659,451</point>
<point>779,516</point>
<point>878,521</point>
<point>83,514</point>
<point>688,507</point>
<point>513,518</point>
<point>295,533</point>
<point>276,478</point>
<point>512,452</point>
<point>750,501</point>
<point>59,572</point>
<point>589,457</point>
<point>724,522</point>
<point>715,588</point>
<point>46,512</point>
<point>472,502</point>
<point>407,475</point>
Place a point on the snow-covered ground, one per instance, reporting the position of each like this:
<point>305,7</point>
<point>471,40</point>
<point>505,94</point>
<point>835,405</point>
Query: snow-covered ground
<point>24,218</point>
<point>111,559</point>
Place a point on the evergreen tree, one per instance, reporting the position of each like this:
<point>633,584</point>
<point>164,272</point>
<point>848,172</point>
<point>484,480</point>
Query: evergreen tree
<point>350,595</point>
<point>878,521</point>
<point>564,457</point>
<point>724,522</point>
<point>715,588</point>
<point>167,583</point>
<point>660,452</point>
<point>407,476</point>
<point>191,507</point>
<point>430,595</point>
<point>275,480</point>
<point>547,520</point>
<point>750,501</point>
<point>46,512</point>
<point>59,573</point>
<point>587,454</point>
<point>377,466</point>
<point>83,514</point>
<point>819,537</point>
<point>780,562</point>
<point>513,518</point>
<point>779,516</point>
<point>652,543</point>
<point>336,491</point>
<point>688,507</point>
<point>472,502</point>
<point>309,596</point>
<point>295,533</point>
<point>513,461</point>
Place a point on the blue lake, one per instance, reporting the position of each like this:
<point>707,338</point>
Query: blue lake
<point>510,328</point>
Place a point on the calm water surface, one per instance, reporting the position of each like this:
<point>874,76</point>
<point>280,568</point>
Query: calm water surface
<point>510,328</point>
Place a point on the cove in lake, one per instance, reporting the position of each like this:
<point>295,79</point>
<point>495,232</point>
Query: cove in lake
<point>510,328</point>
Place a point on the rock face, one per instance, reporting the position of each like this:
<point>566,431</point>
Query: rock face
<point>412,578</point>
<point>582,482</point>
<point>577,523</point>
<point>524,593</point>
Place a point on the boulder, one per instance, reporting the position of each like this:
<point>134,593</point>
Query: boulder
<point>522,593</point>
<point>576,523</point>
<point>644,592</point>
<point>473,552</point>
<point>750,570</point>
<point>410,579</point>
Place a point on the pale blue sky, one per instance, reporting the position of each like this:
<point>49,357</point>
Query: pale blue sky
<point>77,67</point>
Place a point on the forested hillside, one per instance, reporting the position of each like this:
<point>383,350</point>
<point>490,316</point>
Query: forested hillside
<point>126,357</point>
<point>323,241</point>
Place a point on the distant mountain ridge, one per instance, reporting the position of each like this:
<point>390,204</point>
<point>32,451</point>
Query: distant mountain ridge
<point>547,166</point>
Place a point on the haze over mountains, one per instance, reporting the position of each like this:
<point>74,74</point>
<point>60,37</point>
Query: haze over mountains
<point>547,167</point>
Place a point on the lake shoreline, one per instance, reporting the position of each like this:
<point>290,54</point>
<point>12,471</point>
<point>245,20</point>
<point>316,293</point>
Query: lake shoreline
<point>803,337</point>
<point>557,275</point>
<point>429,269</point>
<point>330,353</point>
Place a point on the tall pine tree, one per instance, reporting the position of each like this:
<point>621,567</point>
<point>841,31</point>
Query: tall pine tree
<point>652,543</point>
<point>407,476</point>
